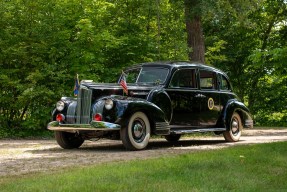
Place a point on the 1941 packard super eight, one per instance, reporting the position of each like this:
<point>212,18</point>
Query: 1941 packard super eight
<point>160,98</point>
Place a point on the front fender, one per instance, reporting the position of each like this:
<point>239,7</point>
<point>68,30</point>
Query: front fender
<point>153,112</point>
<point>160,98</point>
<point>232,106</point>
<point>126,106</point>
<point>67,101</point>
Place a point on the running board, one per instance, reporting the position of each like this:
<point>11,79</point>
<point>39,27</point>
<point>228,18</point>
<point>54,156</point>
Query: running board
<point>185,131</point>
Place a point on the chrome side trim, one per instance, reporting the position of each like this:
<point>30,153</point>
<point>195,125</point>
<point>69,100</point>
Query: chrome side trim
<point>182,131</point>
<point>162,125</point>
<point>162,128</point>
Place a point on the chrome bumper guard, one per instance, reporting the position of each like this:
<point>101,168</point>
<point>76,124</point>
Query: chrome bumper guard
<point>93,126</point>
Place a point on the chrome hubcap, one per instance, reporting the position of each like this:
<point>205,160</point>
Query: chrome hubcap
<point>138,130</point>
<point>234,126</point>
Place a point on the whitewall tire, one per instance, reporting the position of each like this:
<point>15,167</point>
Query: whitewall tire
<point>233,133</point>
<point>137,134</point>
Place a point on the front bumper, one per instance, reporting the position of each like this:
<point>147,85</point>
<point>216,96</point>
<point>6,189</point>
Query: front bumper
<point>93,126</point>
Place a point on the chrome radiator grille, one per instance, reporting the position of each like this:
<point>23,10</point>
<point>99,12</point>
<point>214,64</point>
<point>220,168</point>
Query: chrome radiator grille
<point>84,105</point>
<point>71,112</point>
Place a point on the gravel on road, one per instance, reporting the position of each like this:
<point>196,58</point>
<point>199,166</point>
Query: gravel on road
<point>19,157</point>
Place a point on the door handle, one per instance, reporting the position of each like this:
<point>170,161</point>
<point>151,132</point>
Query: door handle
<point>200,96</point>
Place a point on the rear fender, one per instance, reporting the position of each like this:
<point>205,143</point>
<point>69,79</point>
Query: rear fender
<point>232,106</point>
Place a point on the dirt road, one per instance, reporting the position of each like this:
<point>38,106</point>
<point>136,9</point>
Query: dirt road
<point>18,157</point>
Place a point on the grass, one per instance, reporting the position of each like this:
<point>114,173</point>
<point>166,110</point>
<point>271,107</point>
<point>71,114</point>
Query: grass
<point>261,167</point>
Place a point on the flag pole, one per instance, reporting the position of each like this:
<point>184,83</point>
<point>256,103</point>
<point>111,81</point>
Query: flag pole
<point>123,83</point>
<point>77,85</point>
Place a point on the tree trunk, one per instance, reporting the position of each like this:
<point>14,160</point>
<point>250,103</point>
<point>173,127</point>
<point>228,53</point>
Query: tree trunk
<point>195,39</point>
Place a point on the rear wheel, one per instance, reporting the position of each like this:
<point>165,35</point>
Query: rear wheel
<point>172,138</point>
<point>137,134</point>
<point>235,128</point>
<point>68,140</point>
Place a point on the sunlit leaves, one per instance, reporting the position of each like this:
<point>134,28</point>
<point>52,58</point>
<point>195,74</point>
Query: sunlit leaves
<point>43,44</point>
<point>213,53</point>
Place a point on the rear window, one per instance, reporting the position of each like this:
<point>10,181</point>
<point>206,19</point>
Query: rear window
<point>207,79</point>
<point>224,83</point>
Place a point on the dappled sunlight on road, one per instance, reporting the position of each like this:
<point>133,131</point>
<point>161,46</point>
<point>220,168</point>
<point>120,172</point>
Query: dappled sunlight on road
<point>24,156</point>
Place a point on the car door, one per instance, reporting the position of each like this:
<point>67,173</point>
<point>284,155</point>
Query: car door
<point>182,90</point>
<point>209,98</point>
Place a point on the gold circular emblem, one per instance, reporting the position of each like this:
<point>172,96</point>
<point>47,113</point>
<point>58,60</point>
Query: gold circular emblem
<point>210,103</point>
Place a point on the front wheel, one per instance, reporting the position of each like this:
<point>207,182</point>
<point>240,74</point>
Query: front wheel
<point>235,128</point>
<point>68,140</point>
<point>137,134</point>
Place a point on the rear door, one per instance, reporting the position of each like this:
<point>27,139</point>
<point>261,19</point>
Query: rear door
<point>209,98</point>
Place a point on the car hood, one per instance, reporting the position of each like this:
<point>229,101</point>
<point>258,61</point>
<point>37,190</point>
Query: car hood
<point>92,85</point>
<point>106,89</point>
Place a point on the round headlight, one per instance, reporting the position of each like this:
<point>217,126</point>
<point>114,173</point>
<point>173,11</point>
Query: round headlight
<point>109,104</point>
<point>60,105</point>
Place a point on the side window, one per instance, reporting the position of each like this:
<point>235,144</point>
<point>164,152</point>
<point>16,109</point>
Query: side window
<point>224,84</point>
<point>207,80</point>
<point>183,78</point>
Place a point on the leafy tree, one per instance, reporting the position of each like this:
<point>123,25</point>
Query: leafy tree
<point>244,41</point>
<point>269,76</point>
<point>43,44</point>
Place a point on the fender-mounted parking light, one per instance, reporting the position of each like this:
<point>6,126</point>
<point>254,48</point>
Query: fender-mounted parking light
<point>98,117</point>
<point>60,117</point>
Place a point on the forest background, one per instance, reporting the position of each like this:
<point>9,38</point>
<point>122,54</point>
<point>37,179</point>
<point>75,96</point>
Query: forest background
<point>43,44</point>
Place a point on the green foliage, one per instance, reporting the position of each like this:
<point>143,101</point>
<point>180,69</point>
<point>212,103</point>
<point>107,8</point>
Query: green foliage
<point>253,53</point>
<point>270,104</point>
<point>43,44</point>
<point>213,53</point>
<point>242,168</point>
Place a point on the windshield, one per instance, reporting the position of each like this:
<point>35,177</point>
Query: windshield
<point>147,75</point>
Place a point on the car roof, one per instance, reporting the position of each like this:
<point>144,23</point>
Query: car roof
<point>177,65</point>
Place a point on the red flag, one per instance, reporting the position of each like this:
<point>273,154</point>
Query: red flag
<point>123,83</point>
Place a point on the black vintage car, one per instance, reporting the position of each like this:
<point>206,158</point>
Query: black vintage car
<point>162,98</point>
